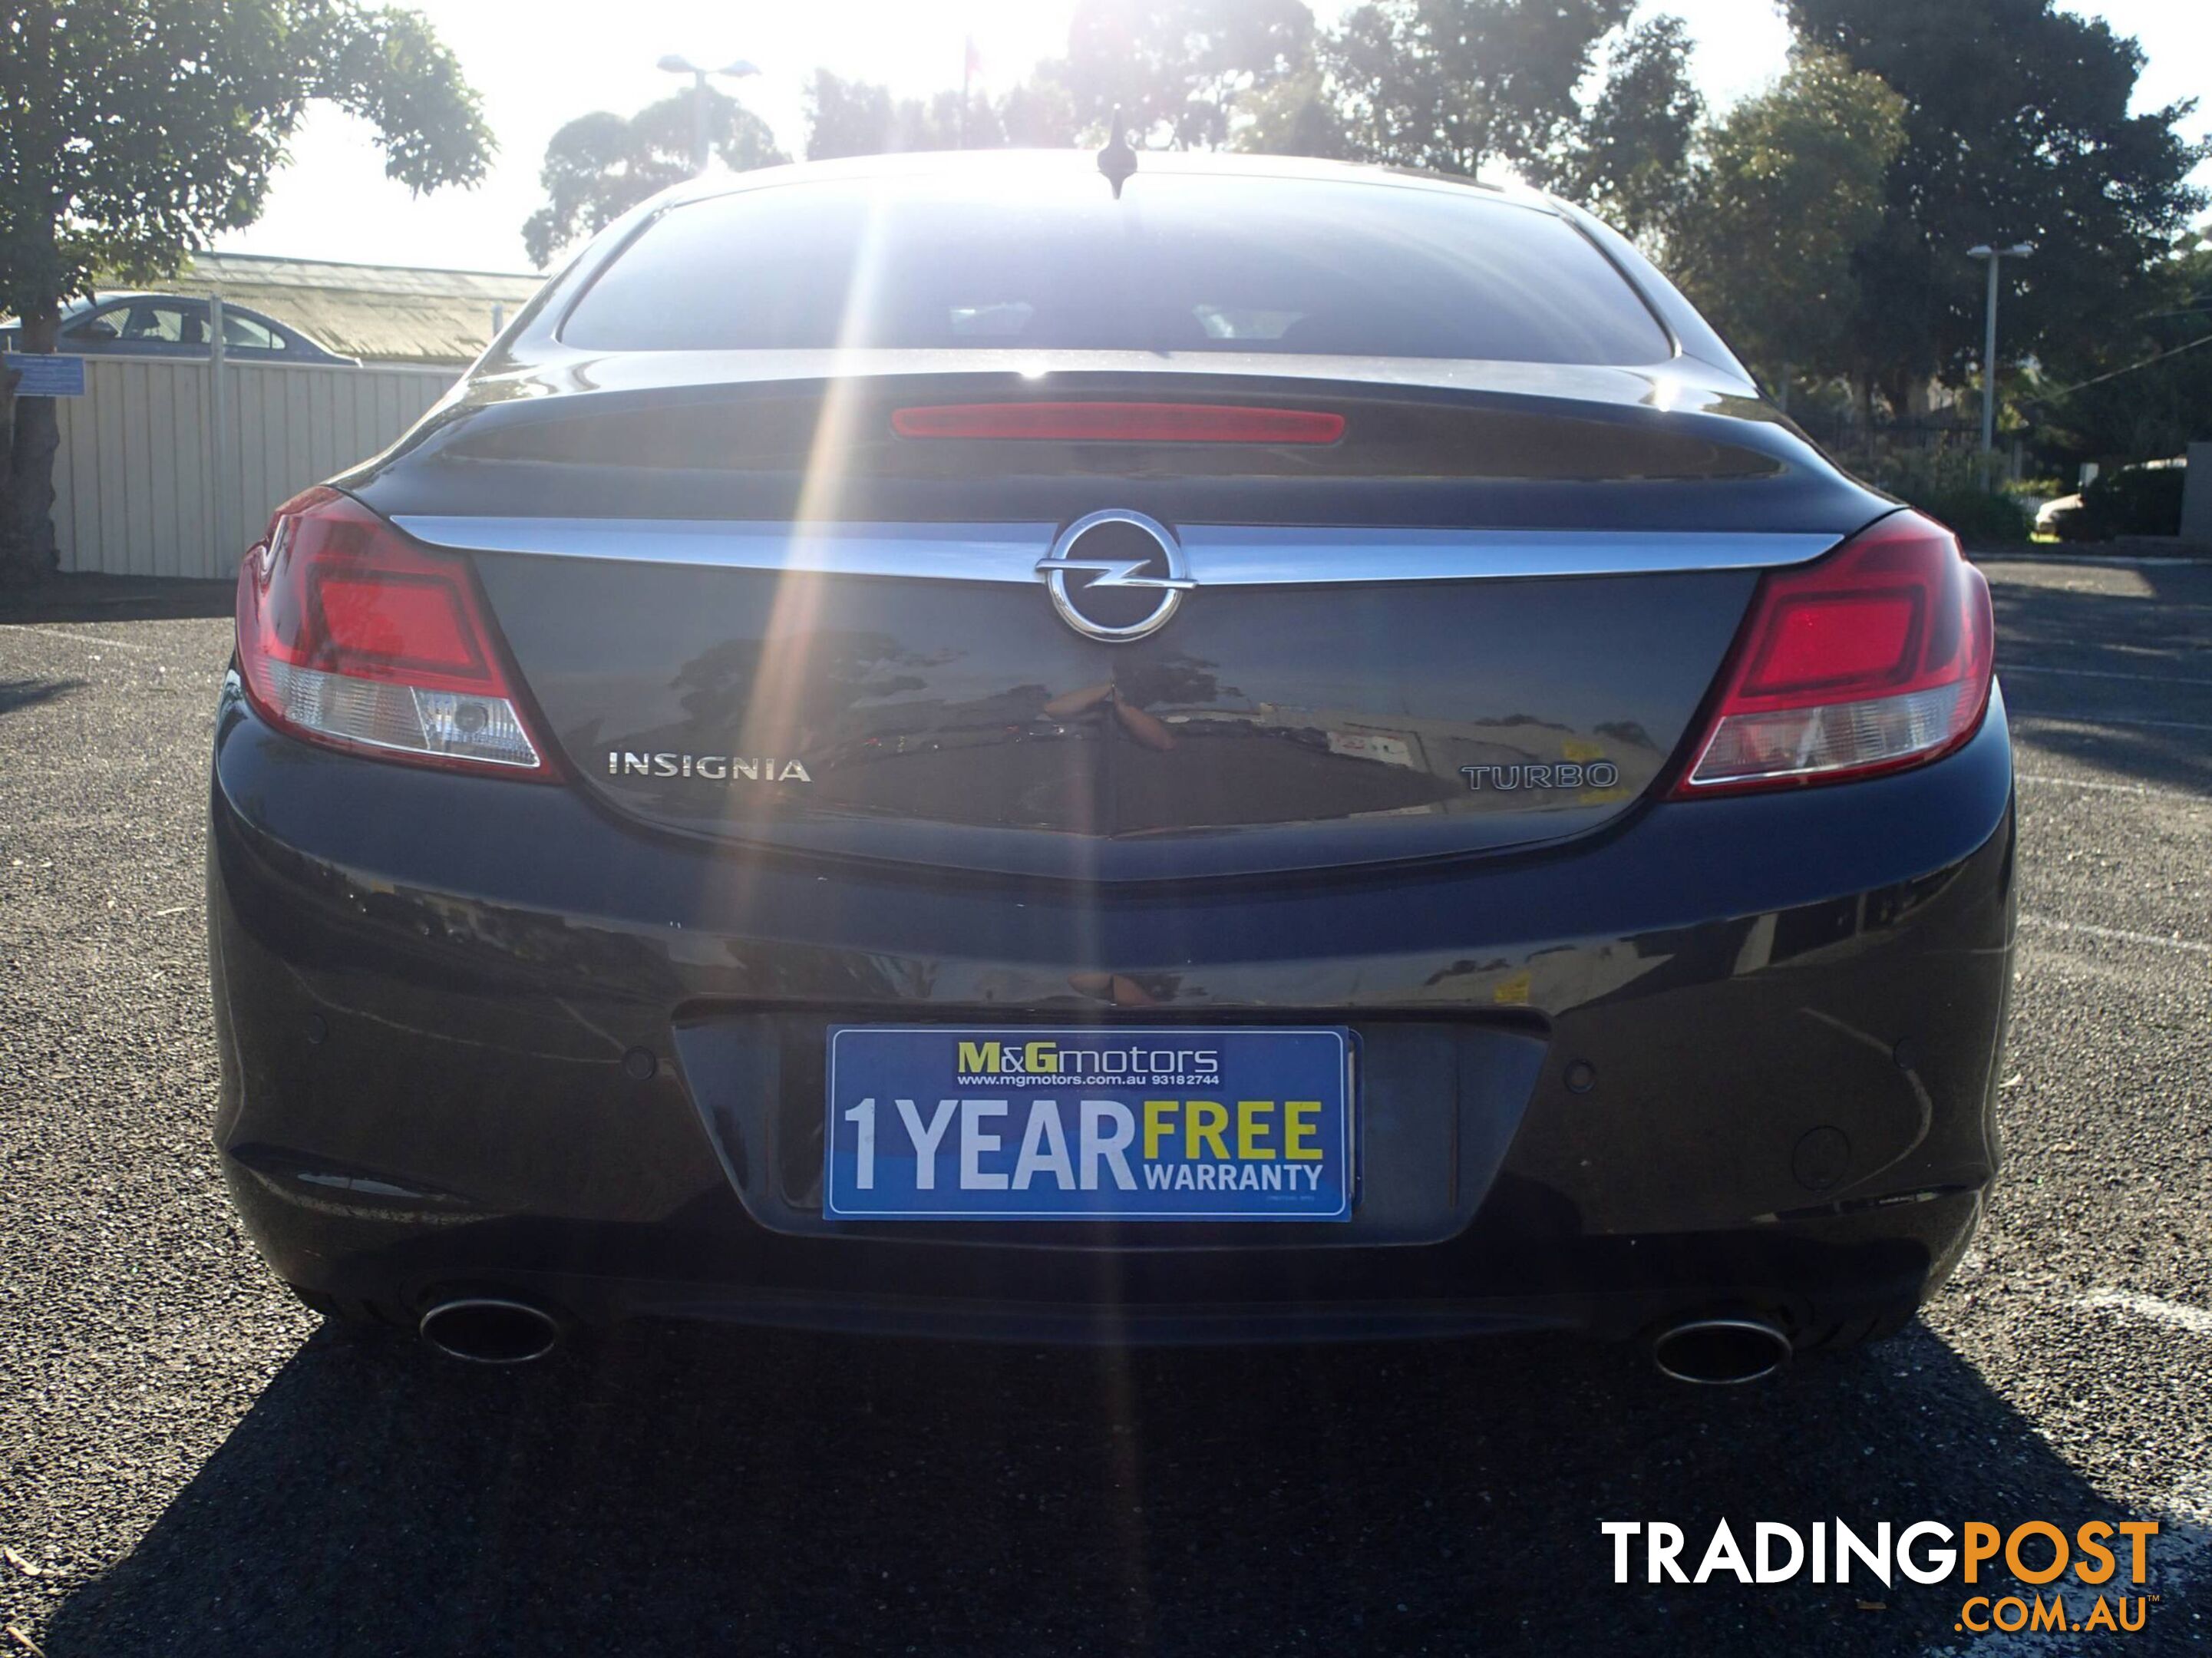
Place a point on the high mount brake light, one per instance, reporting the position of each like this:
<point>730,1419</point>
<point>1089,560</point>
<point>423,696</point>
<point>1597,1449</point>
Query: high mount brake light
<point>1119,422</point>
<point>352,635</point>
<point>1875,657</point>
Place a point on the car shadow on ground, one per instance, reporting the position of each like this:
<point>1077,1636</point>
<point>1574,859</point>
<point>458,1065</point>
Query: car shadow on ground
<point>701,1490</point>
<point>78,598</point>
<point>2109,670</point>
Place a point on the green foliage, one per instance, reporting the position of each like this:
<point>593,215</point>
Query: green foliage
<point>2135,501</point>
<point>1953,485</point>
<point>1790,186</point>
<point>1629,160</point>
<point>1177,68</point>
<point>135,129</point>
<point>1980,517</point>
<point>857,118</point>
<point>2017,128</point>
<point>1295,116</point>
<point>1039,113</point>
<point>389,67</point>
<point>1451,85</point>
<point>132,131</point>
<point>2145,392</point>
<point>600,165</point>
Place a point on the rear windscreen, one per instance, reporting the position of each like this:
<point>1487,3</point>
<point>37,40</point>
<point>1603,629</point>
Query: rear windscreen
<point>1182,263</point>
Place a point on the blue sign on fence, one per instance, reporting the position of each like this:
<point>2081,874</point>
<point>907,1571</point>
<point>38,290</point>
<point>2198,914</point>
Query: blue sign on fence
<point>45,375</point>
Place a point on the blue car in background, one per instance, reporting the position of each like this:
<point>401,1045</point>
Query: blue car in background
<point>174,326</point>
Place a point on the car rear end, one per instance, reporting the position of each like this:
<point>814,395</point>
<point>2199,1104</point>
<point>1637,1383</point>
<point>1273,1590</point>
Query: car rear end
<point>1332,688</point>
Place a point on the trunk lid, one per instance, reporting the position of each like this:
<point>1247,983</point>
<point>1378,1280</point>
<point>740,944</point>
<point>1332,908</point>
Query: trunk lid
<point>1481,620</point>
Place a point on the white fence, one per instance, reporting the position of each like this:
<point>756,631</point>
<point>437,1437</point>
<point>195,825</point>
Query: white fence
<point>136,489</point>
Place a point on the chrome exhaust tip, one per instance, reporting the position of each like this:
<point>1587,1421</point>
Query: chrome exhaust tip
<point>1720,1352</point>
<point>490,1330</point>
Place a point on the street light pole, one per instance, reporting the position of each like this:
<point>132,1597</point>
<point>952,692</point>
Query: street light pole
<point>1995,256</point>
<point>677,64</point>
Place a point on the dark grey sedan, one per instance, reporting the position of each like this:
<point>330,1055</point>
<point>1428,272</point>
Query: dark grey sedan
<point>1258,751</point>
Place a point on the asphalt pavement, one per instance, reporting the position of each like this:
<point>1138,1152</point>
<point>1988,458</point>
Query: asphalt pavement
<point>191,1464</point>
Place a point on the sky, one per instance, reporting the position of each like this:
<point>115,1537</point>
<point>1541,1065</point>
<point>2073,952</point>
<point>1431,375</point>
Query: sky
<point>542,64</point>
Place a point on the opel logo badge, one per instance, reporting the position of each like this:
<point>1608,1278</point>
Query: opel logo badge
<point>1115,576</point>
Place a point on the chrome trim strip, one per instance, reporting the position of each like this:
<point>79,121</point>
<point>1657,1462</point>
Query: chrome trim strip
<point>949,552</point>
<point>1217,555</point>
<point>1253,556</point>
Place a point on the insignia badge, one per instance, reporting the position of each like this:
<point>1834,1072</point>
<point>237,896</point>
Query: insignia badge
<point>714,768</point>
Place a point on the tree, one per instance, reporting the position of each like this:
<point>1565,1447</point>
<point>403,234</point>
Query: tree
<point>2016,129</point>
<point>1457,84</point>
<point>858,117</point>
<point>599,166</point>
<point>1177,68</point>
<point>1790,187</point>
<point>1298,115</point>
<point>849,117</point>
<point>1628,159</point>
<point>1453,85</point>
<point>1039,113</point>
<point>131,131</point>
<point>2148,393</point>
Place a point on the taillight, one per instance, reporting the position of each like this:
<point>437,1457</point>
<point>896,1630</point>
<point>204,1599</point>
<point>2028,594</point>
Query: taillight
<point>350,633</point>
<point>1119,422</point>
<point>1875,657</point>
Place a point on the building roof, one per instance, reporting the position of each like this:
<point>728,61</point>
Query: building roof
<point>378,312</point>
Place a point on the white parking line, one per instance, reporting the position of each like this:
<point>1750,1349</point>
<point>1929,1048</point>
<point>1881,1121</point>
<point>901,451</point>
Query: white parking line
<point>81,639</point>
<point>2195,1319</point>
<point>2025,717</point>
<point>2102,561</point>
<point>2110,788</point>
<point>2118,935</point>
<point>2004,668</point>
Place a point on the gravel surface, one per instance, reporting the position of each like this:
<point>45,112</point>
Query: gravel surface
<point>189,1464</point>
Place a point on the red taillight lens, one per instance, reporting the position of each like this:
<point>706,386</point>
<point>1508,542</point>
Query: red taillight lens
<point>1877,656</point>
<point>1119,422</point>
<point>350,633</point>
<point>398,627</point>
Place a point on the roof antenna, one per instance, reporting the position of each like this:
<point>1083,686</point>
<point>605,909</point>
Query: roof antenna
<point>1118,159</point>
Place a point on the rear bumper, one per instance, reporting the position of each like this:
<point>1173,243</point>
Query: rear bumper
<point>1732,1053</point>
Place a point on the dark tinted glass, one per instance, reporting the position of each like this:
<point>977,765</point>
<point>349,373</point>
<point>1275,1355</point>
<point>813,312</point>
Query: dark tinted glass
<point>1182,263</point>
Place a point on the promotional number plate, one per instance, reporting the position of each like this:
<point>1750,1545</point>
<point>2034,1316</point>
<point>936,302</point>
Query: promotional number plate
<point>937,1123</point>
